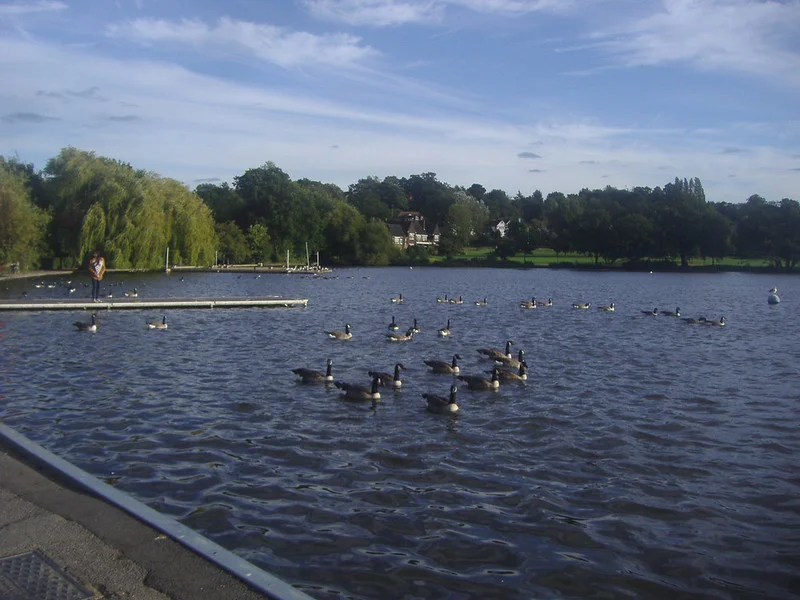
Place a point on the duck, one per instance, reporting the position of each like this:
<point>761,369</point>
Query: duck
<point>528,303</point>
<point>773,297</point>
<point>440,405</point>
<point>459,300</point>
<point>669,313</point>
<point>483,302</point>
<point>393,325</point>
<point>389,380</point>
<point>91,326</point>
<point>401,337</point>
<point>650,313</point>
<point>398,299</point>
<point>445,331</point>
<point>351,391</point>
<point>582,305</point>
<point>496,354</point>
<point>521,374</point>
<point>444,368</point>
<point>443,300</point>
<point>716,322</point>
<point>480,383</point>
<point>548,302</point>
<point>133,294</point>
<point>608,307</point>
<point>335,334</point>
<point>513,362</point>
<point>157,325</point>
<point>312,376</point>
<point>414,327</point>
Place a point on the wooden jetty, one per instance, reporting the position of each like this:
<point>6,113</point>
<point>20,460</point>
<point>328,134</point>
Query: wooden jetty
<point>143,303</point>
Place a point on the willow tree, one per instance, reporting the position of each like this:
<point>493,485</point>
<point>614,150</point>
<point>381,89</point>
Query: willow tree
<point>23,225</point>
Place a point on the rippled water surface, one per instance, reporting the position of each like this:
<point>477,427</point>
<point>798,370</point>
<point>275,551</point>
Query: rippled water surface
<point>644,458</point>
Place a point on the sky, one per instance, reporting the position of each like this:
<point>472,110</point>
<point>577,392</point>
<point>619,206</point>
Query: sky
<point>516,95</point>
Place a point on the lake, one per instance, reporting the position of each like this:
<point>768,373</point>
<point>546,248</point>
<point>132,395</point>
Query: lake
<point>644,457</point>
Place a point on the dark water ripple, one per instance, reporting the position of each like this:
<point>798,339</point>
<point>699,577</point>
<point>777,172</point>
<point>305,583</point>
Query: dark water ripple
<point>645,457</point>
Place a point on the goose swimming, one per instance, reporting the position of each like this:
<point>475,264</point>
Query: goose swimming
<point>91,326</point>
<point>157,325</point>
<point>440,405</point>
<point>650,313</point>
<point>335,334</point>
<point>352,391</point>
<point>582,305</point>
<point>669,313</point>
<point>480,383</point>
<point>312,376</point>
<point>607,307</point>
<point>521,374</point>
<point>444,368</point>
<point>445,331</point>
<point>496,354</point>
<point>393,325</point>
<point>389,380</point>
<point>401,337</point>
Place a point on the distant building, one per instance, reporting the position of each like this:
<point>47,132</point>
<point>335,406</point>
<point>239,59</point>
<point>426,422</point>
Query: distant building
<point>500,227</point>
<point>411,229</point>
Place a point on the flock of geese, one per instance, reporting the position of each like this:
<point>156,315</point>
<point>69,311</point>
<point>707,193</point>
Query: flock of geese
<point>507,367</point>
<point>91,325</point>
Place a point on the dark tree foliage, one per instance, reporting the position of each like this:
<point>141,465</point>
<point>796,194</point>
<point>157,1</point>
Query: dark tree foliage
<point>81,201</point>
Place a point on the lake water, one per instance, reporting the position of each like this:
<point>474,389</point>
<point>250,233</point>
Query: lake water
<point>644,458</point>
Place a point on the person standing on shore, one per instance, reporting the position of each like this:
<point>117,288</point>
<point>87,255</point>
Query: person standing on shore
<point>97,268</point>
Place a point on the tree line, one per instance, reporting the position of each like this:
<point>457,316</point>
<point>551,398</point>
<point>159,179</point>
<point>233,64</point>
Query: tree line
<point>79,202</point>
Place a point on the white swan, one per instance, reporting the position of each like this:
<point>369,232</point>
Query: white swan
<point>773,297</point>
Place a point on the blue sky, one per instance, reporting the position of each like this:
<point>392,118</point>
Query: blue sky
<point>518,95</point>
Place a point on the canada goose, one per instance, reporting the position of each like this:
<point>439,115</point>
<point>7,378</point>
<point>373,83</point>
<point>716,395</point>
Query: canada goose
<point>312,376</point>
<point>521,374</point>
<point>92,326</point>
<point>582,305</point>
<point>650,313</point>
<point>157,325</point>
<point>340,335</point>
<point>442,300</point>
<point>352,391</point>
<point>440,405</point>
<point>393,325</point>
<point>669,313</point>
<point>482,302</point>
<point>607,307</point>
<point>496,354</point>
<point>459,300</point>
<point>445,331</point>
<point>398,300</point>
<point>414,328</point>
<point>716,322</point>
<point>513,362</point>
<point>528,303</point>
<point>444,368</point>
<point>479,383</point>
<point>693,321</point>
<point>400,337</point>
<point>133,294</point>
<point>548,302</point>
<point>387,380</point>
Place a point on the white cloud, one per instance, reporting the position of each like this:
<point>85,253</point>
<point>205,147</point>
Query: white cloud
<point>20,8</point>
<point>287,49</point>
<point>190,126</point>
<point>750,36</point>
<point>383,13</point>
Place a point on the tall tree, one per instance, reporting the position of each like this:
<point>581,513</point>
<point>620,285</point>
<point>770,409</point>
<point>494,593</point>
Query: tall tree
<point>23,225</point>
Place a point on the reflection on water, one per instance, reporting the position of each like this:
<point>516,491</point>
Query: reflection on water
<point>644,457</point>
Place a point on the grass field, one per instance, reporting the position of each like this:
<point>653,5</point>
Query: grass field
<point>545,257</point>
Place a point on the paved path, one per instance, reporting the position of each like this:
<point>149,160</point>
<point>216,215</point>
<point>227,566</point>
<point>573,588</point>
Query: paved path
<point>102,548</point>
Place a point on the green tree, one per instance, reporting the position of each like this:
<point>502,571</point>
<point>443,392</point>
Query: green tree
<point>259,242</point>
<point>233,247</point>
<point>23,225</point>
